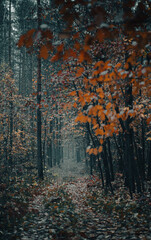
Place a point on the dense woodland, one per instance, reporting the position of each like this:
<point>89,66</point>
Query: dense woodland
<point>75,88</point>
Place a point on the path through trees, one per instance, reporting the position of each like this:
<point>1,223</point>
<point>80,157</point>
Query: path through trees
<point>75,117</point>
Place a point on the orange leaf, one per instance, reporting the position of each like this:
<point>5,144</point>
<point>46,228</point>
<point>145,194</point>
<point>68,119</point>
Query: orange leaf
<point>75,105</point>
<point>60,47</point>
<point>118,65</point>
<point>73,93</point>
<point>108,106</point>
<point>72,53</point>
<point>44,52</point>
<point>81,118</point>
<point>126,66</point>
<point>21,41</point>
<point>95,151</point>
<point>100,149</point>
<point>86,47</point>
<point>99,132</point>
<point>101,93</point>
<point>79,72</point>
<point>30,33</point>
<point>59,73</point>
<point>101,115</point>
<point>28,42</point>
<point>28,38</point>
<point>84,56</point>
<point>34,94</point>
<point>81,56</point>
<point>55,58</point>
<point>100,35</point>
<point>87,150</point>
<point>91,151</point>
<point>88,58</point>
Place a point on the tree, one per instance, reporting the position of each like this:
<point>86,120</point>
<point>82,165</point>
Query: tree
<point>2,30</point>
<point>39,144</point>
<point>105,85</point>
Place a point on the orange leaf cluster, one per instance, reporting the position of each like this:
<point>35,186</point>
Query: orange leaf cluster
<point>26,39</point>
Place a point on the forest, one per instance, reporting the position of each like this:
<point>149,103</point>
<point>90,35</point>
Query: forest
<point>75,117</point>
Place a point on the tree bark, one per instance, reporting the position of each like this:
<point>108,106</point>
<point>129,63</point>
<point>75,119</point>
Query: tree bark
<point>11,94</point>
<point>39,143</point>
<point>110,159</point>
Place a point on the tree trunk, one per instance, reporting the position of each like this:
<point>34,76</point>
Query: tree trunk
<point>50,146</point>
<point>149,162</point>
<point>110,159</point>
<point>101,172</point>
<point>39,144</point>
<point>106,167</point>
<point>11,100</point>
<point>9,35</point>
<point>143,149</point>
<point>120,155</point>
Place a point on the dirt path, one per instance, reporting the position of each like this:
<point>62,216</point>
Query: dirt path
<point>92,225</point>
<point>41,226</point>
<point>72,211</point>
<point>68,171</point>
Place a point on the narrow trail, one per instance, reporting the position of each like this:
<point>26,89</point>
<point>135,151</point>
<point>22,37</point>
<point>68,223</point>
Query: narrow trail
<point>89,225</point>
<point>69,209</point>
<point>41,225</point>
<point>68,171</point>
<point>93,225</point>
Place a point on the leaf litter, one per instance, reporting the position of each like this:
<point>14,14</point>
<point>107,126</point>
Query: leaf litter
<point>77,209</point>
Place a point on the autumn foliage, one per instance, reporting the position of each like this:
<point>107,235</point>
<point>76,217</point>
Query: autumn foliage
<point>110,88</point>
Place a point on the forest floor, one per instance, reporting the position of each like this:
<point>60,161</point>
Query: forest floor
<point>72,207</point>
